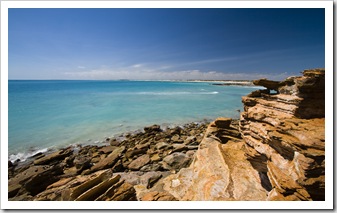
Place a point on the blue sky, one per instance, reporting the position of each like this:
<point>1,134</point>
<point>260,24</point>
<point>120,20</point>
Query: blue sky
<point>218,44</point>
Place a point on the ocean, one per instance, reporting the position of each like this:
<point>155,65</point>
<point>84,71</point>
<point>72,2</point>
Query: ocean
<point>52,114</point>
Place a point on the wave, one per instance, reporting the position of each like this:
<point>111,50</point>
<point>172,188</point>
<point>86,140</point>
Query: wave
<point>178,93</point>
<point>23,156</point>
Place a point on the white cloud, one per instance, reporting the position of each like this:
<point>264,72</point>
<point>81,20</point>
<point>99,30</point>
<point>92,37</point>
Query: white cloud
<point>211,61</point>
<point>152,74</point>
<point>81,67</point>
<point>137,65</point>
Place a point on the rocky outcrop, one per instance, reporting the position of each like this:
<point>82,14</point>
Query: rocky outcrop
<point>302,97</point>
<point>219,170</point>
<point>290,150</point>
<point>275,151</point>
<point>112,172</point>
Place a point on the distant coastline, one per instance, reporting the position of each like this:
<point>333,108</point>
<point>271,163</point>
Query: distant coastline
<point>226,82</point>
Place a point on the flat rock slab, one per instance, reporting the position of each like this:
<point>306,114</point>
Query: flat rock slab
<point>59,155</point>
<point>223,122</point>
<point>177,160</point>
<point>139,162</point>
<point>110,160</point>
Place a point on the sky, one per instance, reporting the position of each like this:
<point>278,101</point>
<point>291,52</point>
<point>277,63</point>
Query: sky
<point>164,44</point>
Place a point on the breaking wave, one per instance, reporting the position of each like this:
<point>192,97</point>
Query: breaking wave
<point>22,156</point>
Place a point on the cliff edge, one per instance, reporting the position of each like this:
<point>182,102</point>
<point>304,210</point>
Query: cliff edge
<point>275,152</point>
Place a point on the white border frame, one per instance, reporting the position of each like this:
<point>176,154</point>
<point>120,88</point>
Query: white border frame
<point>327,204</point>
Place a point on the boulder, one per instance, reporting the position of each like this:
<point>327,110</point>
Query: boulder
<point>223,122</point>
<point>176,161</point>
<point>81,163</point>
<point>35,179</point>
<point>56,156</point>
<point>150,178</point>
<point>107,149</point>
<point>139,162</point>
<point>162,146</point>
<point>133,152</point>
<point>153,128</point>
<point>109,161</point>
<point>114,142</point>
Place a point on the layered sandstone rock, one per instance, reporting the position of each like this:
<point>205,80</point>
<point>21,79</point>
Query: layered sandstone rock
<point>276,153</point>
<point>285,135</point>
<point>219,170</point>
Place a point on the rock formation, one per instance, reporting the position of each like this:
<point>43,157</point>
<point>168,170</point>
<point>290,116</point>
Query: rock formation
<point>285,135</point>
<point>276,151</point>
<point>111,172</point>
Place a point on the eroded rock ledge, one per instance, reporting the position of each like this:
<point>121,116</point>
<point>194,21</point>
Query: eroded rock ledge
<point>276,151</point>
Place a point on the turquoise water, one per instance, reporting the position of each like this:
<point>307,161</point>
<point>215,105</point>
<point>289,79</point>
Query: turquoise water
<point>54,114</point>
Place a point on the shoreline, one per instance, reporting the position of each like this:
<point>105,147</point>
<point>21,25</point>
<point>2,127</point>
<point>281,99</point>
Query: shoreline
<point>24,158</point>
<point>149,155</point>
<point>175,163</point>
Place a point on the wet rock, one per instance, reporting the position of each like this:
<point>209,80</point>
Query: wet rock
<point>114,142</point>
<point>176,131</point>
<point>153,128</point>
